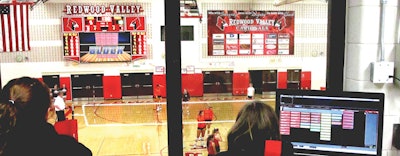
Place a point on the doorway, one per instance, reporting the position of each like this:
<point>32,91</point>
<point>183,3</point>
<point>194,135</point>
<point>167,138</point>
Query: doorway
<point>256,79</point>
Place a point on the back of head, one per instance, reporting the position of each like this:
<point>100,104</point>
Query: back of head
<point>255,123</point>
<point>216,130</point>
<point>30,96</point>
<point>7,123</point>
<point>209,138</point>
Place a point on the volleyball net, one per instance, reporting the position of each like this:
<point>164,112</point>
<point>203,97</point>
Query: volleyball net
<point>146,113</point>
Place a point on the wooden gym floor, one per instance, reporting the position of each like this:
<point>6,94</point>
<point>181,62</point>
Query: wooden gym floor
<point>133,127</point>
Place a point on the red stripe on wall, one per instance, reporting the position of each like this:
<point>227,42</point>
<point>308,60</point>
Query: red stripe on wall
<point>21,12</point>
<point>27,23</point>
<point>16,28</point>
<point>9,32</point>
<point>3,36</point>
<point>74,45</point>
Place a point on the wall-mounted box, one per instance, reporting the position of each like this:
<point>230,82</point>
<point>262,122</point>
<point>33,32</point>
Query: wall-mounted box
<point>381,72</point>
<point>397,66</point>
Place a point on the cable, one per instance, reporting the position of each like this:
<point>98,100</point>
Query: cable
<point>398,79</point>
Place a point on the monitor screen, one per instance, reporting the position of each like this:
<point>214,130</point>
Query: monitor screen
<point>324,123</point>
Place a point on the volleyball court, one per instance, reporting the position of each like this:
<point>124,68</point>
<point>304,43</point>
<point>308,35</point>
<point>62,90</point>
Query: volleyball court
<point>149,125</point>
<point>145,113</point>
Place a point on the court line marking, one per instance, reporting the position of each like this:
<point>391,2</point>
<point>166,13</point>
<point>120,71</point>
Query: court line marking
<point>155,124</point>
<point>156,103</point>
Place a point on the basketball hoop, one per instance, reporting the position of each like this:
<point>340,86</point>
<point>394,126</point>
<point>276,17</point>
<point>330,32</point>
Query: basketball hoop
<point>199,15</point>
<point>34,2</point>
<point>71,61</point>
<point>190,9</point>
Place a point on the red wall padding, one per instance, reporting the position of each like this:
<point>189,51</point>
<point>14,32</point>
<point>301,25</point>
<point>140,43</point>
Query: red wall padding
<point>112,88</point>
<point>160,80</point>
<point>67,127</point>
<point>305,80</point>
<point>240,82</point>
<point>282,80</point>
<point>67,82</point>
<point>273,148</point>
<point>193,84</point>
<point>40,79</point>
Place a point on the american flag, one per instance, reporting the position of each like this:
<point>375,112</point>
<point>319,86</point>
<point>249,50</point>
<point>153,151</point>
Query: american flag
<point>14,27</point>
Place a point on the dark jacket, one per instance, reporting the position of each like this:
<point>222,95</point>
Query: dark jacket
<point>258,150</point>
<point>43,140</point>
<point>186,97</point>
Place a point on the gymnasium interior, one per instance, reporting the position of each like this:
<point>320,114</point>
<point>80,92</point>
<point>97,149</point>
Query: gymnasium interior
<point>111,55</point>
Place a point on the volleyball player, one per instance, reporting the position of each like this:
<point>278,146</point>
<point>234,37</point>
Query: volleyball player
<point>201,126</point>
<point>158,96</point>
<point>208,117</point>
<point>185,98</point>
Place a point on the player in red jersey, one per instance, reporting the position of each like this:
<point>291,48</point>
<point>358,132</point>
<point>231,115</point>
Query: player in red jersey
<point>208,117</point>
<point>158,96</point>
<point>217,139</point>
<point>201,126</point>
<point>211,148</point>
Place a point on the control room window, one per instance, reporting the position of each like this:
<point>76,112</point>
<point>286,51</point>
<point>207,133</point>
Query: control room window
<point>186,33</point>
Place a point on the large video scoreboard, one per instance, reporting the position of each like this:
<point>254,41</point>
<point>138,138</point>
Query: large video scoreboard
<point>103,38</point>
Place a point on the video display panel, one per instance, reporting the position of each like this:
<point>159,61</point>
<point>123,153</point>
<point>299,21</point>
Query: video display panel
<point>93,39</point>
<point>105,47</point>
<point>324,123</point>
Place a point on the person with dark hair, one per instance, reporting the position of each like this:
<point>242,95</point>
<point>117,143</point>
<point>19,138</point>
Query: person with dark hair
<point>185,98</point>
<point>209,116</point>
<point>158,96</point>
<point>250,91</point>
<point>211,147</point>
<point>201,126</point>
<point>7,123</point>
<point>185,95</point>
<point>217,139</point>
<point>64,91</point>
<point>25,102</point>
<point>157,93</point>
<point>54,91</point>
<point>255,123</point>
<point>59,106</point>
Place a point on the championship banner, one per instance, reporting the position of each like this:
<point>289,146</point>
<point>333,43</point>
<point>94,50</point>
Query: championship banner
<point>234,32</point>
<point>71,46</point>
<point>139,45</point>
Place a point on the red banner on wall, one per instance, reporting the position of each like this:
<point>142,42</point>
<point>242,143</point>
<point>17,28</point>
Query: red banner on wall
<point>233,32</point>
<point>72,24</point>
<point>134,23</point>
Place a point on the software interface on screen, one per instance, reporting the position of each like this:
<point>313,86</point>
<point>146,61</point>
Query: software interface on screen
<point>343,124</point>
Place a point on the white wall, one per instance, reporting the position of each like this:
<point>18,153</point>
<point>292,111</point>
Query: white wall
<point>362,48</point>
<point>362,38</point>
<point>46,41</point>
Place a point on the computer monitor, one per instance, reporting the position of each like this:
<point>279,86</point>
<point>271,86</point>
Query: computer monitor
<point>326,123</point>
